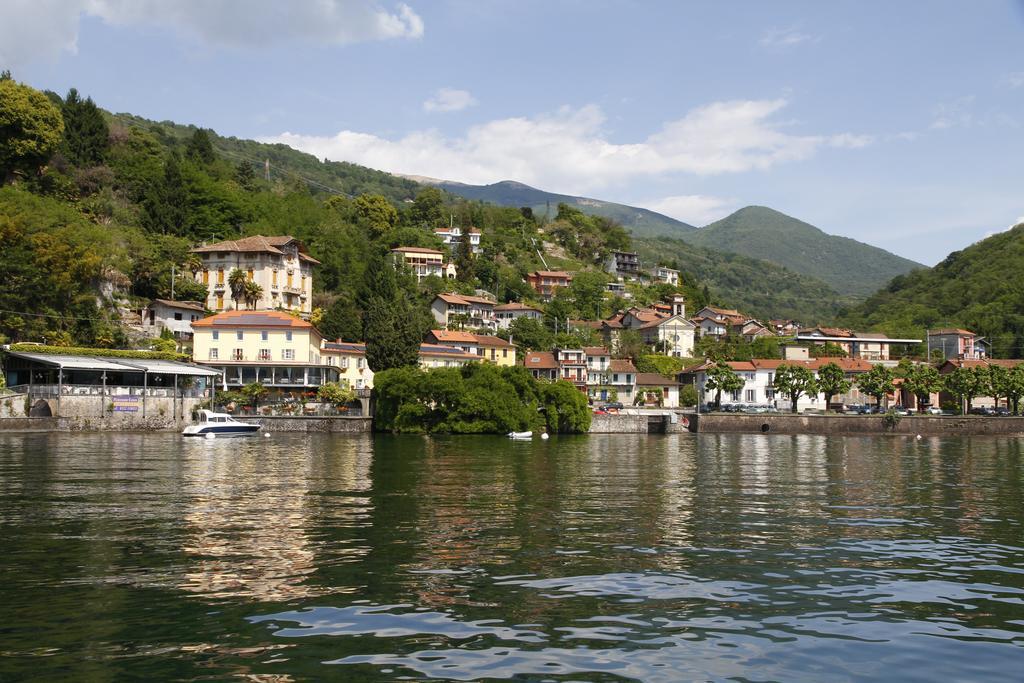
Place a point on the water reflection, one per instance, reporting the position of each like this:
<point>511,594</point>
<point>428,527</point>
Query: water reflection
<point>596,558</point>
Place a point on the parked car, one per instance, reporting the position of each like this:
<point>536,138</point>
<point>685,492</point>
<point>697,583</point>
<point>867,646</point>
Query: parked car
<point>900,410</point>
<point>982,410</point>
<point>868,410</point>
<point>613,405</point>
<point>935,410</point>
<point>1002,411</point>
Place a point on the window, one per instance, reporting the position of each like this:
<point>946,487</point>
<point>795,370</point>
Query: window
<point>238,335</point>
<point>288,335</point>
<point>220,302</point>
<point>264,354</point>
<point>216,335</point>
<point>615,378</point>
<point>237,354</point>
<point>206,276</point>
<point>213,354</point>
<point>286,354</point>
<point>264,335</point>
<point>751,396</point>
<point>177,316</point>
<point>273,280</point>
<point>769,394</point>
<point>251,275</point>
<point>504,353</point>
<point>361,363</point>
<point>220,276</point>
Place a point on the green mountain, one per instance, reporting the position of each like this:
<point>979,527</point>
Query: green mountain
<point>758,288</point>
<point>640,222</point>
<point>980,288</point>
<point>848,266</point>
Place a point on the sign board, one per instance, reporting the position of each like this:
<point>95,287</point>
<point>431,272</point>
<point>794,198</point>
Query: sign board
<point>125,403</point>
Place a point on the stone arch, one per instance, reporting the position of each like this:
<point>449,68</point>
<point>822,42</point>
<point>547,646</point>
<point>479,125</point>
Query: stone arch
<point>41,408</point>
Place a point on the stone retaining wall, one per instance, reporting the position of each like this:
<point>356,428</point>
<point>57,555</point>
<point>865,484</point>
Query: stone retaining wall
<point>925,425</point>
<point>336,425</point>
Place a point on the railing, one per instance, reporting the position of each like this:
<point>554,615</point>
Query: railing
<point>110,390</point>
<point>292,290</point>
<point>294,409</point>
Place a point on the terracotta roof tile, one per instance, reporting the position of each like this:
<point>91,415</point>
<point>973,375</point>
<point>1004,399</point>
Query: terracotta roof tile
<point>252,319</point>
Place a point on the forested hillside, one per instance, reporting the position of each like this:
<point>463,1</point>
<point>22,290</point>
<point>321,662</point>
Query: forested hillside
<point>846,265</point>
<point>97,209</point>
<point>980,288</point>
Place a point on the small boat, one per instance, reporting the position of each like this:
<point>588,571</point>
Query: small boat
<point>219,424</point>
<point>520,435</point>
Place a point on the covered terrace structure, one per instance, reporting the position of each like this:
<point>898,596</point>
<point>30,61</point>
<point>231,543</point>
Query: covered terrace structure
<point>130,385</point>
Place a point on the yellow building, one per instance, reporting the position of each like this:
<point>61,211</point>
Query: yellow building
<point>271,347</point>
<point>487,347</point>
<point>424,262</point>
<point>280,265</point>
<point>350,359</point>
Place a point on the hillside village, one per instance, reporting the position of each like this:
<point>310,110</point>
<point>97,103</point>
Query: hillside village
<point>130,236</point>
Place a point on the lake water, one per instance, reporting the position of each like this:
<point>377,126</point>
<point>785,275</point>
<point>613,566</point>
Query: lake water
<point>658,558</point>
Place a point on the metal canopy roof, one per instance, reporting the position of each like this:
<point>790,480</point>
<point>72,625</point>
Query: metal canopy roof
<point>163,367</point>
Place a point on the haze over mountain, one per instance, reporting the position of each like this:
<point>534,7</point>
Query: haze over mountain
<point>641,222</point>
<point>847,266</point>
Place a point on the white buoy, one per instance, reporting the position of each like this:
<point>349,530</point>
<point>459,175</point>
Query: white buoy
<point>266,433</point>
<point>918,437</point>
<point>544,436</point>
<point>211,435</point>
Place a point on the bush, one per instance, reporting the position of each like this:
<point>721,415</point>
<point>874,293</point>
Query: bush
<point>688,395</point>
<point>332,392</point>
<point>663,365</point>
<point>474,399</point>
<point>105,353</point>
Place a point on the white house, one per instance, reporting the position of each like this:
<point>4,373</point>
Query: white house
<point>471,311</point>
<point>759,375</point>
<point>504,314</point>
<point>176,316</point>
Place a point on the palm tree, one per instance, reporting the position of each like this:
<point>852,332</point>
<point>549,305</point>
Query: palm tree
<point>193,263</point>
<point>237,281</point>
<point>253,294</point>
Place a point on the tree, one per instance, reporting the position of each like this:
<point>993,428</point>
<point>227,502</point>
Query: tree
<point>965,384</point>
<point>254,391</point>
<point>375,214</point>
<point>565,407</point>
<point>921,380</point>
<point>86,135</point>
<point>465,262</point>
<point>832,381</point>
<point>794,381</point>
<point>335,394</point>
<point>30,129</point>
<point>392,328</point>
<point>877,382</point>
<point>165,203</point>
<point>200,148</point>
<point>253,294</point>
<point>721,377</point>
<point>998,382</point>
<point>688,396</point>
<point>427,209</point>
<point>237,281</point>
<point>1015,386</point>
<point>587,292</point>
<point>530,335</point>
<point>342,320</point>
<point>245,176</point>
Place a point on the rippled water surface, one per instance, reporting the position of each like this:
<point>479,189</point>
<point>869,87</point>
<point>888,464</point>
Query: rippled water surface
<point>587,558</point>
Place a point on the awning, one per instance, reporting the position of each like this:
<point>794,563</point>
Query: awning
<point>68,362</point>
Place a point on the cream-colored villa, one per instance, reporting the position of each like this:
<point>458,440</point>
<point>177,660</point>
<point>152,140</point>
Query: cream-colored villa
<point>280,265</point>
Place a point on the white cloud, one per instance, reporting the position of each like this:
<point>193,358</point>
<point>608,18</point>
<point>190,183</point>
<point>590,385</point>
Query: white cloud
<point>1014,80</point>
<point>449,99</point>
<point>777,38</point>
<point>959,112</point>
<point>33,30</point>
<point>695,209</point>
<point>569,151</point>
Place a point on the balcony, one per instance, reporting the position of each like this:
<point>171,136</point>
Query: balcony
<point>288,289</point>
<point>218,286</point>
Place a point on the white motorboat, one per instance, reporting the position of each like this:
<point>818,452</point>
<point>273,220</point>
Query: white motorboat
<point>219,424</point>
<point>520,435</point>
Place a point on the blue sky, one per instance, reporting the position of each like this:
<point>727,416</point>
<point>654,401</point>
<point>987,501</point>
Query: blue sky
<point>900,124</point>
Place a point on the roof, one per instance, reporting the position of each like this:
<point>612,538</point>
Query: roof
<point>825,332</point>
<point>654,379</point>
<point>257,243</point>
<point>951,330</point>
<point>516,306</point>
<point>491,340</point>
<point>187,305</point>
<point>417,250</point>
<point>75,362</point>
<point>722,311</point>
<point>593,324</point>
<point>847,364</point>
<point>252,319</point>
<point>453,336</point>
<point>551,273</point>
<point>541,360</point>
<point>358,348</point>
<point>621,365</point>
<point>447,351</point>
<point>662,321</point>
<point>982,363</point>
<point>595,351</point>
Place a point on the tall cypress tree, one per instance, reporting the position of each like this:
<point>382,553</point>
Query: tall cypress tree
<point>392,327</point>
<point>86,134</point>
<point>200,148</point>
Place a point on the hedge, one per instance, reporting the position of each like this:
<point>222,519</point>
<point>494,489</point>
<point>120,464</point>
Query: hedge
<point>105,353</point>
